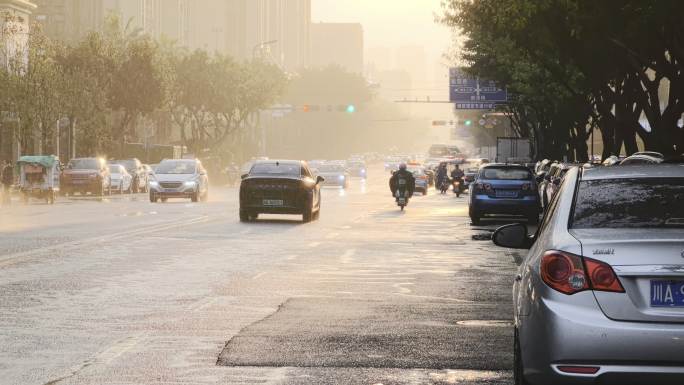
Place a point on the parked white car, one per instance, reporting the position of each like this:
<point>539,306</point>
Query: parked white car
<point>121,180</point>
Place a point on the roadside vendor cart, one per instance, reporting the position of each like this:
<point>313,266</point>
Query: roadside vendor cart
<point>39,177</point>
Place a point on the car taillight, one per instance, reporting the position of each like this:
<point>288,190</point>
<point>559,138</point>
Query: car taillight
<point>487,187</point>
<point>566,273</point>
<point>602,277</point>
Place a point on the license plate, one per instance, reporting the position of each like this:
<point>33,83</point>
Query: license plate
<point>273,202</point>
<point>506,193</point>
<point>667,293</point>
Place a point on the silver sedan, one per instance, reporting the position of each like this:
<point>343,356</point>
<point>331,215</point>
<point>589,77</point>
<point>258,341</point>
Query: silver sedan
<point>599,299</point>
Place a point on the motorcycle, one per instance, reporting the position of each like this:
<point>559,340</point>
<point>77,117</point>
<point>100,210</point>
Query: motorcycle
<point>444,186</point>
<point>402,195</point>
<point>458,187</point>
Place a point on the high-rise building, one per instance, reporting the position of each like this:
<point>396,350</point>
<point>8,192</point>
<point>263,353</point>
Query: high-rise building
<point>337,44</point>
<point>13,43</point>
<point>68,20</point>
<point>275,29</point>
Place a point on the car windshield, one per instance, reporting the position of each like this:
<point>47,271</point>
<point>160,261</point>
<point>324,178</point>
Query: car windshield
<point>129,165</point>
<point>114,168</point>
<point>176,168</point>
<point>277,169</point>
<point>83,164</point>
<point>629,203</point>
<point>330,168</point>
<point>506,173</point>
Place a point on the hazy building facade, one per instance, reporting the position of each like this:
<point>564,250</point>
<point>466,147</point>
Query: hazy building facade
<point>337,44</point>
<point>13,46</point>
<point>283,24</point>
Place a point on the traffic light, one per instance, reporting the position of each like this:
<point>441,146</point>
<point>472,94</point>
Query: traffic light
<point>351,109</point>
<point>468,123</point>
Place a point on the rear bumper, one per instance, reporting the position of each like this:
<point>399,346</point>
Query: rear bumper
<point>82,185</point>
<point>182,192</point>
<point>257,209</point>
<point>558,334</point>
<point>526,205</point>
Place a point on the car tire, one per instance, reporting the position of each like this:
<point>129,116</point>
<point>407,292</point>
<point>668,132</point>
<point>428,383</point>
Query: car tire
<point>153,198</point>
<point>307,216</point>
<point>518,367</point>
<point>244,216</point>
<point>194,197</point>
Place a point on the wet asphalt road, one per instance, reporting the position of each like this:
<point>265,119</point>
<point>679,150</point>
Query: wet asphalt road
<point>122,291</point>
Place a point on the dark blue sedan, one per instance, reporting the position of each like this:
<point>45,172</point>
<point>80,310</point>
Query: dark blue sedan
<point>504,189</point>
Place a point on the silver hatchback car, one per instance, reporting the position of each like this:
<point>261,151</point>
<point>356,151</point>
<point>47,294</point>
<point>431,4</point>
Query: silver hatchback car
<point>599,299</point>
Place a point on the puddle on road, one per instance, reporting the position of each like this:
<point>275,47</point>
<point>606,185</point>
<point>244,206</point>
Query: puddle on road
<point>486,323</point>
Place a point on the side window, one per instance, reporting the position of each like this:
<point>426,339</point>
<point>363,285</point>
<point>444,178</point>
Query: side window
<point>551,210</point>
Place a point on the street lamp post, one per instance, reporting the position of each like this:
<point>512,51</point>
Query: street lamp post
<point>260,121</point>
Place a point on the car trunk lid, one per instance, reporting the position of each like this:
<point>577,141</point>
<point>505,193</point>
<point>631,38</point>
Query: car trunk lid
<point>650,265</point>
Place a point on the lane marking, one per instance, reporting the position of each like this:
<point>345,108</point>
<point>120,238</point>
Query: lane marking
<point>314,244</point>
<point>259,275</point>
<point>11,259</point>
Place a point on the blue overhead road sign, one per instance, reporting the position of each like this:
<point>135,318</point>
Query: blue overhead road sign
<point>473,93</point>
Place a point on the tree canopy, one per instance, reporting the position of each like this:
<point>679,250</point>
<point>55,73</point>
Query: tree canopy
<point>572,65</point>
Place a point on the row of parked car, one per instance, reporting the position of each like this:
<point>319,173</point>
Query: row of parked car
<point>599,298</point>
<point>99,177</point>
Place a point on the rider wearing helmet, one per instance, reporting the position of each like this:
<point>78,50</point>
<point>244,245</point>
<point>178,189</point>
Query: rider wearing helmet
<point>403,174</point>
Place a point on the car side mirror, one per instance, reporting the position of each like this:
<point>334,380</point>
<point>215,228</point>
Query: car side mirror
<point>320,179</point>
<point>513,236</point>
<point>244,176</point>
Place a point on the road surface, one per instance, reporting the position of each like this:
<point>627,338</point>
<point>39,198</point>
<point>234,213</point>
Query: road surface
<point>123,291</point>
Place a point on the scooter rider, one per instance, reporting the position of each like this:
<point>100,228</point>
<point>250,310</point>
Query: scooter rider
<point>407,176</point>
<point>457,175</point>
<point>442,173</point>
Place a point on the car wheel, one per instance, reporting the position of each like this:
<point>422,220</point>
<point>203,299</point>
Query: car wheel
<point>518,367</point>
<point>153,198</point>
<point>194,197</point>
<point>308,214</point>
<point>244,216</point>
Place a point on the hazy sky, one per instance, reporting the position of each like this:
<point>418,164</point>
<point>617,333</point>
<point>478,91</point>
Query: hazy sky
<point>390,23</point>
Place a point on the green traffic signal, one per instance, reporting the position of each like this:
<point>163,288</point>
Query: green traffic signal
<point>469,122</point>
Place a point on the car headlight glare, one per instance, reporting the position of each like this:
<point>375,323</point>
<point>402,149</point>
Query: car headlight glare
<point>154,183</point>
<point>190,183</point>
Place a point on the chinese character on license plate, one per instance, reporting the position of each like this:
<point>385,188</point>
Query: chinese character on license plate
<point>667,293</point>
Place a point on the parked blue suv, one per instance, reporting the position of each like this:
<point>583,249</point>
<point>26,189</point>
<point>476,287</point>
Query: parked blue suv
<point>504,189</point>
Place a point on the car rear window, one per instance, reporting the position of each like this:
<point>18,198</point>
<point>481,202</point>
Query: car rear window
<point>276,169</point>
<point>83,164</point>
<point>506,173</point>
<point>629,203</point>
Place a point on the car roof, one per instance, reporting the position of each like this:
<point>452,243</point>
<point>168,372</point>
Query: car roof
<point>504,165</point>
<point>634,171</point>
<point>279,161</point>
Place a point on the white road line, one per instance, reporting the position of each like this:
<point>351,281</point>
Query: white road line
<point>16,257</point>
<point>314,244</point>
<point>259,275</point>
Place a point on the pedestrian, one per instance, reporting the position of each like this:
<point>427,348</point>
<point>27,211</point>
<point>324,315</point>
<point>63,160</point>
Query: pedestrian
<point>7,181</point>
